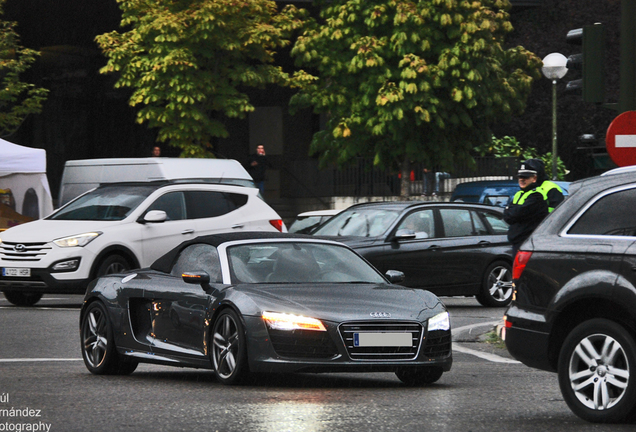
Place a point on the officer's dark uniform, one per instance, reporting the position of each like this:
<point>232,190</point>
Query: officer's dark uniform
<point>528,208</point>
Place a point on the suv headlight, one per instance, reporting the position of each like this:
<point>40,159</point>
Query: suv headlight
<point>439,322</point>
<point>79,240</point>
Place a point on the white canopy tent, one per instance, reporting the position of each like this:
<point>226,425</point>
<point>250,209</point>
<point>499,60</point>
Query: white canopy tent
<point>23,184</point>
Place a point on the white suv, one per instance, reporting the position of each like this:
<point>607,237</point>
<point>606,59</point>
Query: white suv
<point>118,227</point>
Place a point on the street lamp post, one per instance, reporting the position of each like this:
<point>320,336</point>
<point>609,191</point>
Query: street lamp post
<point>554,68</point>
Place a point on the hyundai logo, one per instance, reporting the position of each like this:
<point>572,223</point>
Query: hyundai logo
<point>380,314</point>
<point>20,248</point>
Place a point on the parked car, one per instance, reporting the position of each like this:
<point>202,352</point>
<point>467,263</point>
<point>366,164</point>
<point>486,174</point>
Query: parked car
<point>270,303</point>
<point>307,221</point>
<point>574,305</point>
<point>118,227</point>
<point>450,249</point>
<point>494,192</point>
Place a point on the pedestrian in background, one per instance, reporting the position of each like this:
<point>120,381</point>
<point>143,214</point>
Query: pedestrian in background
<point>156,151</point>
<point>529,206</point>
<point>257,165</point>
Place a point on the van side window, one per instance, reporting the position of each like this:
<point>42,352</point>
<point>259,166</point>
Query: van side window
<point>206,204</point>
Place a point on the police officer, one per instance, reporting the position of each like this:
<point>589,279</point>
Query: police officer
<point>551,191</point>
<point>529,206</point>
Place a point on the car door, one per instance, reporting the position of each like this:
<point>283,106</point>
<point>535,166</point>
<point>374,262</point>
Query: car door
<point>413,247</point>
<point>158,238</point>
<point>180,310</point>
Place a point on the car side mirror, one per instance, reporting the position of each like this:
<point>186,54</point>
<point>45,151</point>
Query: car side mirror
<point>394,276</point>
<point>196,278</point>
<point>404,234</point>
<point>153,216</point>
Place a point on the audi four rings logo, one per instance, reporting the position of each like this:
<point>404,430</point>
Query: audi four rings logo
<point>380,314</point>
<point>20,248</point>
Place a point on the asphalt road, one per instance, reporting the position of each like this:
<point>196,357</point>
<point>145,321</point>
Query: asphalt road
<point>44,384</point>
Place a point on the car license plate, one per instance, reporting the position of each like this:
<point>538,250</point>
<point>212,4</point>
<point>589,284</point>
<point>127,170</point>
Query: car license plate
<point>382,339</point>
<point>16,272</point>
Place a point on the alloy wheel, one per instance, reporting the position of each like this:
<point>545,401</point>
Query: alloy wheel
<point>95,338</point>
<point>599,372</point>
<point>226,346</point>
<point>500,283</point>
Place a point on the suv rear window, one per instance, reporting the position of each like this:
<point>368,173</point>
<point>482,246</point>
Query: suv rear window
<point>206,204</point>
<point>612,214</point>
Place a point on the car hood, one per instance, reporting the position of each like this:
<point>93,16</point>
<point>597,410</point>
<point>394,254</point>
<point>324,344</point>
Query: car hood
<point>42,230</point>
<point>343,302</point>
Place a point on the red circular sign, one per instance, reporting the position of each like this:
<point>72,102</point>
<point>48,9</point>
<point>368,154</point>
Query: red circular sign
<point>620,140</point>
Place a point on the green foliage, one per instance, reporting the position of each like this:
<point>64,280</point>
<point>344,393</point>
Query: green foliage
<point>509,146</point>
<point>186,61</point>
<point>17,99</point>
<point>411,80</point>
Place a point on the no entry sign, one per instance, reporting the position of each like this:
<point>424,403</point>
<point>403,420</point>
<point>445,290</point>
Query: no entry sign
<point>620,140</point>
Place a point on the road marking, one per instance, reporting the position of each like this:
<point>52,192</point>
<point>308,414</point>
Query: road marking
<point>18,360</point>
<point>486,356</point>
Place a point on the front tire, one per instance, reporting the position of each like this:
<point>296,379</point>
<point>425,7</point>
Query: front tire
<point>22,299</point>
<point>229,353</point>
<point>496,290</point>
<point>416,377</point>
<point>98,344</point>
<point>112,264</point>
<point>597,371</point>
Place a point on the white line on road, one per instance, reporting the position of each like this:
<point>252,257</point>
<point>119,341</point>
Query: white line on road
<point>18,360</point>
<point>486,356</point>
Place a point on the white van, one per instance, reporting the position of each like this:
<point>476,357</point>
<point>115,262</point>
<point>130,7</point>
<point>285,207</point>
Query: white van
<point>83,175</point>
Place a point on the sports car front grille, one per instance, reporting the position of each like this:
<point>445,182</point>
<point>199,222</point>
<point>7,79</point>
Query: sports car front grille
<point>438,344</point>
<point>348,330</point>
<point>302,344</point>
<point>23,252</point>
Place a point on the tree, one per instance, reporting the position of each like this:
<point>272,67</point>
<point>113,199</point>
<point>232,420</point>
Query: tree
<point>410,81</point>
<point>509,146</point>
<point>17,99</point>
<point>187,60</point>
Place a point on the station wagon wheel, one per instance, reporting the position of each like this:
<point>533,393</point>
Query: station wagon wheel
<point>597,371</point>
<point>415,377</point>
<point>22,299</point>
<point>112,264</point>
<point>98,345</point>
<point>496,287</point>
<point>229,354</point>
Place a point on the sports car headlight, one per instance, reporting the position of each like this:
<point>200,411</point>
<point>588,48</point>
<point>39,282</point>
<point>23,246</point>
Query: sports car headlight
<point>283,321</point>
<point>79,240</point>
<point>439,322</point>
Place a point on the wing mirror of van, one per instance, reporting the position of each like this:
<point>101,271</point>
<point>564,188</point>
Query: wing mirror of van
<point>153,216</point>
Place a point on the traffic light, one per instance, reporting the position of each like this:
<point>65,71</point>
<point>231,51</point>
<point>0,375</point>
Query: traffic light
<point>591,62</point>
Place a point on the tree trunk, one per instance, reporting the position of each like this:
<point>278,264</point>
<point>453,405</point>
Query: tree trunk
<point>405,184</point>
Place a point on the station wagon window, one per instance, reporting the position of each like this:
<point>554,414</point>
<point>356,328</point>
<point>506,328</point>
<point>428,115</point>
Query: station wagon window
<point>198,257</point>
<point>421,223</point>
<point>457,223</point>
<point>496,222</point>
<point>206,204</point>
<point>612,215</point>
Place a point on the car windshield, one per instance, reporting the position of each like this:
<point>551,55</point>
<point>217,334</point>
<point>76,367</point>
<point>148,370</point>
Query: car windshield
<point>298,262</point>
<point>362,222</point>
<point>104,203</point>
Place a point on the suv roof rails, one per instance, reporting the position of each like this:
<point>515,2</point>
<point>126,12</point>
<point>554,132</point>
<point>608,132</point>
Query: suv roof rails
<point>620,170</point>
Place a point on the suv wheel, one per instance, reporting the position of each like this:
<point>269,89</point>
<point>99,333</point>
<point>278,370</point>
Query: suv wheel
<point>22,299</point>
<point>496,290</point>
<point>112,264</point>
<point>597,371</point>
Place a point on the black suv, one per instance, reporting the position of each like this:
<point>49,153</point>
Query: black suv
<point>574,301</point>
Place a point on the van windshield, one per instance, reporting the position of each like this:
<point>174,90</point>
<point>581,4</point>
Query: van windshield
<point>104,203</point>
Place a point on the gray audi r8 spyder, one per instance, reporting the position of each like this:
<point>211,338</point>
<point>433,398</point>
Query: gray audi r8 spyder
<point>244,303</point>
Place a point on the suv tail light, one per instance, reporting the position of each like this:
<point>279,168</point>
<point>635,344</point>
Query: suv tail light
<point>521,259</point>
<point>277,223</point>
